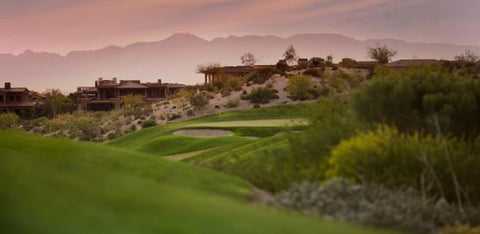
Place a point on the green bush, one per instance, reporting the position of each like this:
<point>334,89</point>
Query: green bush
<point>330,122</point>
<point>342,82</point>
<point>421,99</point>
<point>299,87</point>
<point>8,120</point>
<point>190,112</point>
<point>233,83</point>
<point>396,160</point>
<point>174,117</point>
<point>199,100</point>
<point>149,123</point>
<point>233,102</point>
<point>261,95</point>
<point>112,135</point>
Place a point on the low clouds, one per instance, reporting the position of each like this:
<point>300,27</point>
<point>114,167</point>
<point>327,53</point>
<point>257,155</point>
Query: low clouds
<point>64,25</point>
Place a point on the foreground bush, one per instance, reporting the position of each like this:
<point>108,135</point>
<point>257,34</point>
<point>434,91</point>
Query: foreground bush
<point>369,205</point>
<point>331,122</point>
<point>421,99</point>
<point>436,166</point>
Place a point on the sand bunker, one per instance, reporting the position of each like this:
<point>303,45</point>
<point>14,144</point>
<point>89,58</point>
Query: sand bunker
<point>203,133</point>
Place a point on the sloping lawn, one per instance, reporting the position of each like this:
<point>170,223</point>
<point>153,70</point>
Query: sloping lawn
<point>60,186</point>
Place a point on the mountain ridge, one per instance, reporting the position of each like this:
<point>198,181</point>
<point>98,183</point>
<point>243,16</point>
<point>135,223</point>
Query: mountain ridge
<point>175,58</point>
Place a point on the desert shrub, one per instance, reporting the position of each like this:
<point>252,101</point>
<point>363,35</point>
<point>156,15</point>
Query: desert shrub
<point>225,92</point>
<point>190,112</point>
<point>342,82</point>
<point>173,117</point>
<point>8,120</point>
<point>232,102</point>
<point>199,100</point>
<point>149,123</point>
<point>88,129</point>
<point>298,87</point>
<point>234,83</point>
<point>261,95</point>
<point>262,76</point>
<point>429,164</point>
<point>132,101</point>
<point>421,99</point>
<point>315,72</point>
<point>112,135</point>
<point>372,205</point>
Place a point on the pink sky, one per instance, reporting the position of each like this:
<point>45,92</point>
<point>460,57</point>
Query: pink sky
<point>65,25</point>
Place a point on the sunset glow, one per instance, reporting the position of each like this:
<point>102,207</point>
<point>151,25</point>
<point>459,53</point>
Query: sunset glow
<point>64,25</point>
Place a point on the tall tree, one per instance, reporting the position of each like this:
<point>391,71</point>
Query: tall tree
<point>248,59</point>
<point>382,54</point>
<point>290,55</point>
<point>57,103</point>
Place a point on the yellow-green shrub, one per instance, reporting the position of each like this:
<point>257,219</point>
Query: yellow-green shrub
<point>397,160</point>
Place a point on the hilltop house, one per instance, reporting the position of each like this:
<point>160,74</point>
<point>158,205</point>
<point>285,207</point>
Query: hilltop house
<point>19,100</point>
<point>107,94</point>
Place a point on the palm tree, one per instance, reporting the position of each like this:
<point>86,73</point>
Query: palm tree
<point>203,69</point>
<point>211,71</point>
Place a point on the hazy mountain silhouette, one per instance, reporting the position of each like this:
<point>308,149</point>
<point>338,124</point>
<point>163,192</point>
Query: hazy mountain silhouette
<point>175,58</point>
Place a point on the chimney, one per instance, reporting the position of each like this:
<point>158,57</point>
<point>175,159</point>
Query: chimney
<point>159,81</point>
<point>7,85</point>
<point>100,79</point>
<point>114,79</point>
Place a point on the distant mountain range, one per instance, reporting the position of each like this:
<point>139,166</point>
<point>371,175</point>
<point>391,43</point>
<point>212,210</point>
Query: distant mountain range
<point>175,58</point>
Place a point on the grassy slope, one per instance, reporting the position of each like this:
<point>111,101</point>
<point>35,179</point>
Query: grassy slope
<point>60,186</point>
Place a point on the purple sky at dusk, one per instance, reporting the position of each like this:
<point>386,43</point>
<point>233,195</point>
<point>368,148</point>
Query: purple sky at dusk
<point>65,25</point>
